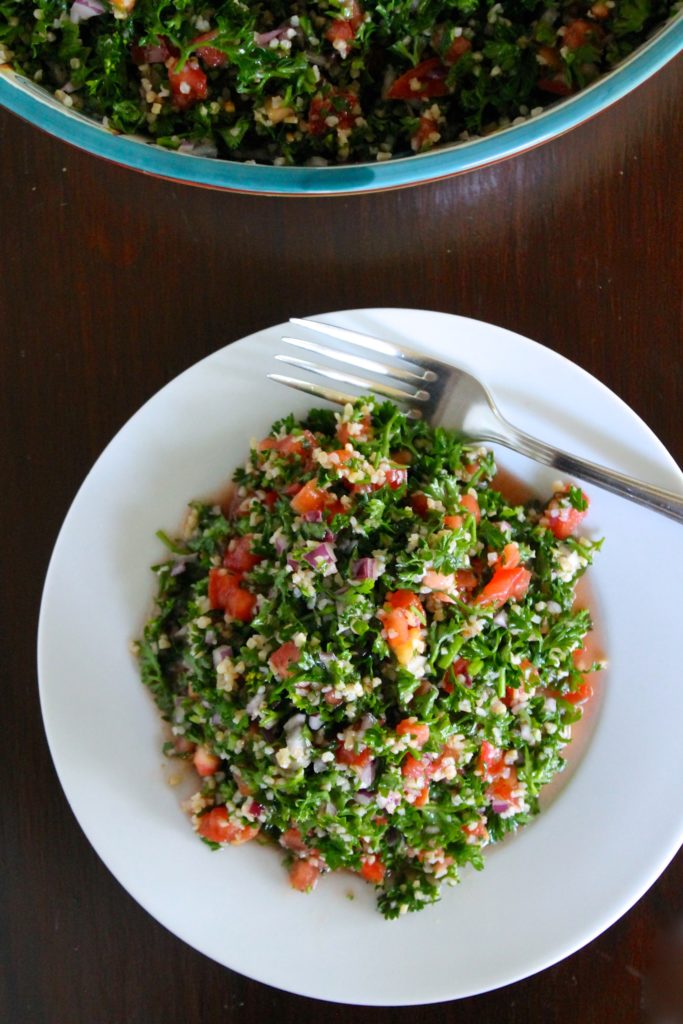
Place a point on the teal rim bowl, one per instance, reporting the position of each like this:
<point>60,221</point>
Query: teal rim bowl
<point>37,106</point>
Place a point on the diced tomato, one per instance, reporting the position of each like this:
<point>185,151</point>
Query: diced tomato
<point>205,762</point>
<point>372,870</point>
<point>304,875</point>
<point>210,55</point>
<point>270,498</point>
<point>456,50</point>
<point>225,592</point>
<point>550,57</point>
<point>297,444</point>
<point>444,766</point>
<point>283,657</point>
<point>513,694</point>
<point>402,623</point>
<point>438,580</point>
<point>217,827</point>
<point>189,85</point>
<point>427,134</point>
<point>335,507</point>
<point>563,519</point>
<point>355,758</point>
<point>241,604</point>
<point>242,786</point>
<point>581,695</point>
<point>358,431</point>
<point>404,599</point>
<point>310,498</point>
<point>340,31</point>
<point>504,585</point>
<point>466,580</point>
<point>476,830</point>
<point>401,636</point>
<point>578,696</point>
<point>339,459</point>
<point>419,504</point>
<point>418,731</point>
<point>422,797</point>
<point>501,789</point>
<point>268,444</point>
<point>471,505</point>
<point>558,86</point>
<point>458,668</point>
<point>239,557</point>
<point>292,444</point>
<point>154,53</point>
<point>395,477</point>
<point>491,761</point>
<point>425,80</point>
<point>580,33</point>
<point>339,103</point>
<point>413,769</point>
<point>292,839</point>
<point>510,556</point>
<point>221,583</point>
<point>343,30</point>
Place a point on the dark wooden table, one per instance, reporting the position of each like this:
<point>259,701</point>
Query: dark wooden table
<point>112,283</point>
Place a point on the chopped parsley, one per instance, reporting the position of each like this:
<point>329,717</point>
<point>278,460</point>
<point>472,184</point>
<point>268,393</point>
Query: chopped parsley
<point>372,657</point>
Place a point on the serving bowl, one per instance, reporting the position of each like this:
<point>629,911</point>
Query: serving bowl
<point>39,107</point>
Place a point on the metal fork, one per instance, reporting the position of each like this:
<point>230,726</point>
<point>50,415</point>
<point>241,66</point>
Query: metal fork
<point>441,393</point>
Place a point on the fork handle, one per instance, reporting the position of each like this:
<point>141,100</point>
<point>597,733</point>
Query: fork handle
<point>668,503</point>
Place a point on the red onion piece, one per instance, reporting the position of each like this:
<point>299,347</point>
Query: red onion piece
<point>254,704</point>
<point>82,10</point>
<point>500,806</point>
<point>323,556</point>
<point>220,653</point>
<point>314,516</point>
<point>198,148</point>
<point>264,38</point>
<point>365,569</point>
<point>255,809</point>
<point>180,563</point>
<point>367,775</point>
<point>280,544</point>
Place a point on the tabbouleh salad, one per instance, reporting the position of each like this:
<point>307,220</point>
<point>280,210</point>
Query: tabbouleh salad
<point>312,83</point>
<point>371,657</point>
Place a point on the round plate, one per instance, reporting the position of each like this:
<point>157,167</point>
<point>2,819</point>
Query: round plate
<point>544,893</point>
<point>38,106</point>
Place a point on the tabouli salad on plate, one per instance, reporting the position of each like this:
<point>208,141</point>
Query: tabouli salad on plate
<point>331,81</point>
<point>370,655</point>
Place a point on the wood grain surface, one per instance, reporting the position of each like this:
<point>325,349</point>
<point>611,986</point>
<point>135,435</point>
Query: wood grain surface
<point>110,284</point>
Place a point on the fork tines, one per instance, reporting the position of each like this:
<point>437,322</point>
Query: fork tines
<point>404,390</point>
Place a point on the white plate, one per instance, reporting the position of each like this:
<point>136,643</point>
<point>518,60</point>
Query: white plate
<point>547,891</point>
